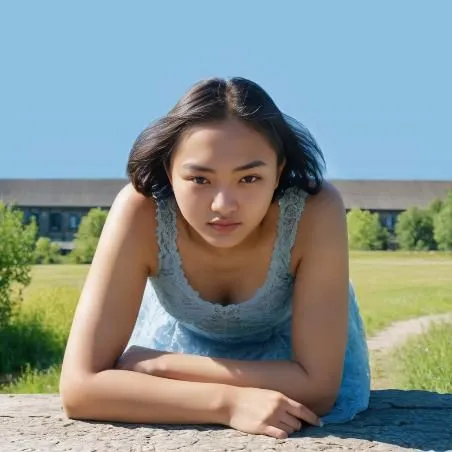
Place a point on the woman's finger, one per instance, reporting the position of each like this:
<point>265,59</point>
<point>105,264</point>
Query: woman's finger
<point>302,412</point>
<point>275,432</point>
<point>293,422</point>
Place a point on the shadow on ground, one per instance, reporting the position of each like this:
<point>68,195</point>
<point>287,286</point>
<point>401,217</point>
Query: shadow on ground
<point>411,419</point>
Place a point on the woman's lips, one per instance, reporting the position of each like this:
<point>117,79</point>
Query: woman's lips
<point>224,226</point>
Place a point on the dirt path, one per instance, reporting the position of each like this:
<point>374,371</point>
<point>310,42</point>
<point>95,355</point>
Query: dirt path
<point>399,332</point>
<point>392,337</point>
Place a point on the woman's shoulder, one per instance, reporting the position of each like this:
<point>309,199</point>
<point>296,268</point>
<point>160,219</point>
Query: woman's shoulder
<point>323,216</point>
<point>132,205</point>
<point>326,200</point>
<point>135,214</point>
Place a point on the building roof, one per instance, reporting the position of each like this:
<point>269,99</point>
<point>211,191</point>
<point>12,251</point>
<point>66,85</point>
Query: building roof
<point>60,192</point>
<point>88,193</point>
<point>391,194</point>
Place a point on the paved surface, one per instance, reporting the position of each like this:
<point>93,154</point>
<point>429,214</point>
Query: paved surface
<point>396,420</point>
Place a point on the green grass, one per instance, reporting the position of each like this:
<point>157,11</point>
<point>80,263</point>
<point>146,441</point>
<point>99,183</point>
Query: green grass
<point>425,362</point>
<point>32,346</point>
<point>390,286</point>
<point>398,285</point>
<point>34,381</point>
<point>51,276</point>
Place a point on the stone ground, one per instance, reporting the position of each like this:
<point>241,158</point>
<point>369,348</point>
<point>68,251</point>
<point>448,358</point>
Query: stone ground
<point>395,421</point>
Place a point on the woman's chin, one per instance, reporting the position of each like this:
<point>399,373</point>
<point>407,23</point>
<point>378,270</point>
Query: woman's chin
<point>222,239</point>
<point>222,242</point>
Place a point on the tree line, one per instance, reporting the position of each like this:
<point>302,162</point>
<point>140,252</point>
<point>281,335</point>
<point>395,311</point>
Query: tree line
<point>415,229</point>
<point>20,248</point>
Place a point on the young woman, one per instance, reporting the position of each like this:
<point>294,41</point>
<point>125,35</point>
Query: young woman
<point>219,292</point>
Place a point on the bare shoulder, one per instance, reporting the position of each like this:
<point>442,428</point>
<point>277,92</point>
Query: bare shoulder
<point>327,202</point>
<point>135,215</point>
<point>134,205</point>
<point>323,220</point>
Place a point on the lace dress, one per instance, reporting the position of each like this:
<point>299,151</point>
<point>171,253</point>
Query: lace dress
<point>173,316</point>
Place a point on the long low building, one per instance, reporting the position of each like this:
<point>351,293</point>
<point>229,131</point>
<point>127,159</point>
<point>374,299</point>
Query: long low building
<point>59,204</point>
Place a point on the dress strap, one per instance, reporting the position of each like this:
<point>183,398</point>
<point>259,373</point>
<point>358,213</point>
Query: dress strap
<point>166,234</point>
<point>291,208</point>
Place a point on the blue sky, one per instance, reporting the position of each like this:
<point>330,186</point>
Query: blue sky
<point>371,80</point>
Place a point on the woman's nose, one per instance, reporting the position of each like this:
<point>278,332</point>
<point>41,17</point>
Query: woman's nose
<point>224,202</point>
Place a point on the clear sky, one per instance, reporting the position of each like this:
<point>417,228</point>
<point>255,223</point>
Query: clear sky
<point>371,80</point>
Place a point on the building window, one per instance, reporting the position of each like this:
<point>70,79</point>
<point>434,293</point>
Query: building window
<point>389,220</point>
<point>389,223</point>
<point>55,222</point>
<point>30,216</point>
<point>74,222</point>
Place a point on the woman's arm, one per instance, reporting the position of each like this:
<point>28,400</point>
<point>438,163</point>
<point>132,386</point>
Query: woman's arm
<point>319,322</point>
<point>90,386</point>
<point>321,298</point>
<point>102,325</point>
<point>122,396</point>
<point>275,375</point>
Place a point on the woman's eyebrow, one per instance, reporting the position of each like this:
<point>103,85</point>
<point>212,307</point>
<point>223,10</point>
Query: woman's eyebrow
<point>205,169</point>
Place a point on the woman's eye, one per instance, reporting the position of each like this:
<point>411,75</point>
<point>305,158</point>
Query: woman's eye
<point>199,180</point>
<point>250,179</point>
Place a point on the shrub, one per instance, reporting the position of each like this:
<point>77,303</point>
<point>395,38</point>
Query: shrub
<point>443,224</point>
<point>365,231</point>
<point>16,257</point>
<point>88,235</point>
<point>46,252</point>
<point>414,230</point>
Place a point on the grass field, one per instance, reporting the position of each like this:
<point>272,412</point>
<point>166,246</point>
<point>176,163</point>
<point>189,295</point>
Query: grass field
<point>397,286</point>
<point>389,286</point>
<point>425,362</point>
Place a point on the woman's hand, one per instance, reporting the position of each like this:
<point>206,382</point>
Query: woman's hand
<point>266,412</point>
<point>140,359</point>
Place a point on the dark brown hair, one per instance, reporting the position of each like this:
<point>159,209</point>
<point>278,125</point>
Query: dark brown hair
<point>216,100</point>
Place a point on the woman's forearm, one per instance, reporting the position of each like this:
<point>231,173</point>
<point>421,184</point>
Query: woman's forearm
<point>287,377</point>
<point>124,396</point>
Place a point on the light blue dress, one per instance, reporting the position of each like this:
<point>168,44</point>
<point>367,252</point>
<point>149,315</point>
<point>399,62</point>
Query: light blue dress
<point>173,317</point>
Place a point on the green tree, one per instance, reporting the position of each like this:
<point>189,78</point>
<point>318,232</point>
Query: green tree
<point>414,229</point>
<point>365,231</point>
<point>443,224</point>
<point>17,242</point>
<point>87,237</point>
<point>46,252</point>
<point>435,206</point>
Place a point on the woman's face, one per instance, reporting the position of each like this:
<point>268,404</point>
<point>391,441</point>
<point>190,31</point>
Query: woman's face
<point>223,176</point>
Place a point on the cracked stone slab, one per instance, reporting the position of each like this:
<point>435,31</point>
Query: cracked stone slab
<point>395,421</point>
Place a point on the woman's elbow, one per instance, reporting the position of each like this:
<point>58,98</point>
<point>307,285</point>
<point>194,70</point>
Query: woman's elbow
<point>321,395</point>
<point>323,405</point>
<point>318,401</point>
<point>325,398</point>
<point>72,396</point>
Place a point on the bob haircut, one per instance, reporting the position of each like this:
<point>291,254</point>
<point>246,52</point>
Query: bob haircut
<point>216,100</point>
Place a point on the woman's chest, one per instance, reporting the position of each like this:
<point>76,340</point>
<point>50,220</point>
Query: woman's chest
<point>230,281</point>
<point>219,284</point>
